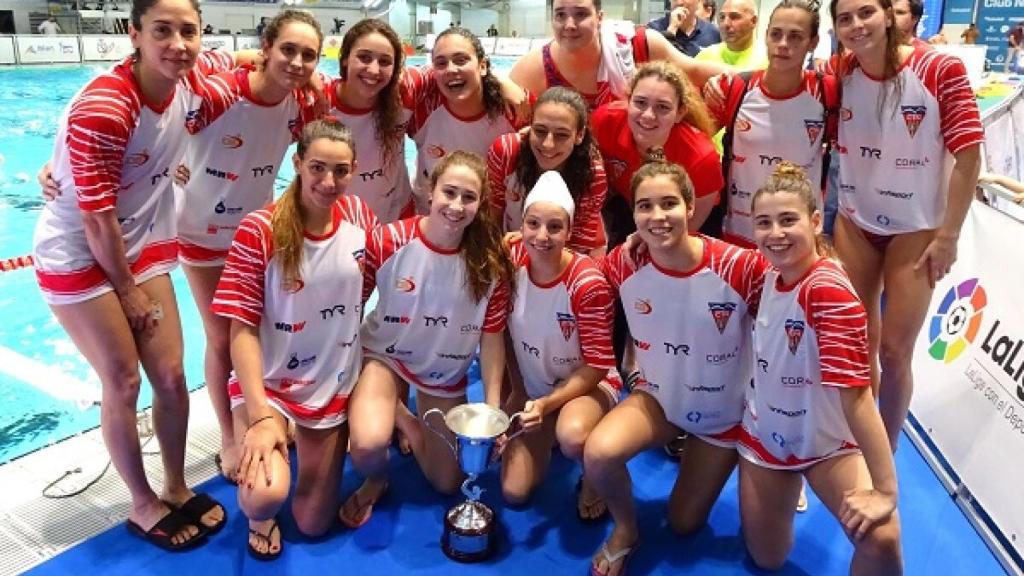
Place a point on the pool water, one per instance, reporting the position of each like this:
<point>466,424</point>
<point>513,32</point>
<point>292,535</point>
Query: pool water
<point>37,409</point>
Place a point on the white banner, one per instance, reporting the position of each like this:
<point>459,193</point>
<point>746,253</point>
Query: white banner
<point>107,47</point>
<point>40,49</point>
<point>1017,113</point>
<point>1000,148</point>
<point>969,369</point>
<point>7,50</point>
<point>247,42</point>
<point>512,46</point>
<point>488,44</point>
<point>213,42</point>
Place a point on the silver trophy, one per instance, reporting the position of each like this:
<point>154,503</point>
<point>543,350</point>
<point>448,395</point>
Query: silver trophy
<point>469,527</point>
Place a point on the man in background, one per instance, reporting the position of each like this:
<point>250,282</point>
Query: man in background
<point>1016,41</point>
<point>49,27</point>
<point>907,15</point>
<point>970,36</point>
<point>737,23</point>
<point>683,29</point>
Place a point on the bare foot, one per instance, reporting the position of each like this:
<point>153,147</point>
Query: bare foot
<point>589,505</point>
<point>358,508</point>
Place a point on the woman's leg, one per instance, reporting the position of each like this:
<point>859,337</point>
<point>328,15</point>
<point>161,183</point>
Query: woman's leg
<point>767,506</point>
<point>863,264</point>
<point>879,551</point>
<point>321,455</point>
<point>907,297</point>
<point>525,461</point>
<point>636,424</point>
<point>703,470</point>
<point>202,280</point>
<point>576,420</point>
<point>432,453</point>
<point>371,422</point>
<point>264,500</point>
<point>101,332</point>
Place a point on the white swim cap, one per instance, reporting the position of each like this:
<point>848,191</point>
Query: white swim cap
<point>551,188</point>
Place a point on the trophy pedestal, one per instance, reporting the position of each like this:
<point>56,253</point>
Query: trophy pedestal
<point>469,532</point>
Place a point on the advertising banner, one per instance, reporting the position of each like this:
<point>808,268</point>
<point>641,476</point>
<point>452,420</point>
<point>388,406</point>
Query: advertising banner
<point>969,369</point>
<point>931,22</point>
<point>106,47</point>
<point>42,49</point>
<point>7,50</point>
<point>995,18</point>
<point>957,12</point>
<point>214,42</point>
<point>512,46</point>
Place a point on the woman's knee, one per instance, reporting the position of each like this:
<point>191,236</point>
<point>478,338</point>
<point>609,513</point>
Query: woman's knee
<point>262,502</point>
<point>169,378</point>
<point>882,543</point>
<point>572,438</point>
<point>313,519</point>
<point>686,523</point>
<point>516,491</point>
<point>767,557</point>
<point>601,452</point>
<point>121,385</point>
<point>895,353</point>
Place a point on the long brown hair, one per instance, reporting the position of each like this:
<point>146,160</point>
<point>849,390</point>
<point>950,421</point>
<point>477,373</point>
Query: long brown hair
<point>675,172</point>
<point>481,246</point>
<point>891,82</point>
<point>577,171</point>
<point>286,221</point>
<point>387,113</point>
<point>285,17</point>
<point>788,177</point>
<point>494,104</point>
<point>696,111</point>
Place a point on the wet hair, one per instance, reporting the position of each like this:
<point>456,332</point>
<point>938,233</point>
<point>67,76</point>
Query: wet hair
<point>481,247</point>
<point>577,171</point>
<point>696,111</point>
<point>286,222</point>
<point>387,114</point>
<point>285,17</point>
<point>893,84</point>
<point>811,7</point>
<point>140,7</point>
<point>788,177</point>
<point>675,172</point>
<point>494,104</point>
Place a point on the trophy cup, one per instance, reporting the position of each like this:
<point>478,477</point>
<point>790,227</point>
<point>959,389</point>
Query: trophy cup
<point>469,527</point>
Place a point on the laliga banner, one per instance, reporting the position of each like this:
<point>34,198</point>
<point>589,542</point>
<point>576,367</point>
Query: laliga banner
<point>969,369</point>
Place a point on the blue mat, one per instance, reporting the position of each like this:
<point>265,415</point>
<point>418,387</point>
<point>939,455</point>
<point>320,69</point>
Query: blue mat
<point>545,537</point>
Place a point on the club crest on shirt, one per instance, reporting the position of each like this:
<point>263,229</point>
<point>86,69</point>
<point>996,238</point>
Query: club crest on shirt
<point>912,117</point>
<point>567,322</point>
<point>616,167</point>
<point>814,128</point>
<point>721,312</point>
<point>794,333</point>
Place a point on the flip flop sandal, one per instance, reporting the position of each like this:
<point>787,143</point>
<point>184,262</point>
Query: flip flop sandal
<point>366,515</point>
<point>266,556</point>
<point>625,554</point>
<point>162,532</point>
<point>220,470</point>
<point>588,520</point>
<point>198,506</point>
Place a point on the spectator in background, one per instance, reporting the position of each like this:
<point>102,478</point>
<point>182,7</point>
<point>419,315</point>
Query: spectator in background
<point>49,27</point>
<point>1016,39</point>
<point>970,36</point>
<point>208,29</point>
<point>907,14</point>
<point>492,31</point>
<point>707,11</point>
<point>737,23</point>
<point>684,30</point>
<point>261,26</point>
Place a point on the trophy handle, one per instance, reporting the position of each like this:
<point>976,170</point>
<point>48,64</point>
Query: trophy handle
<point>521,429</point>
<point>434,430</point>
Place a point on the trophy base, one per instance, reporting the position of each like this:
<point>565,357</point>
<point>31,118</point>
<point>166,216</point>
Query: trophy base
<point>469,531</point>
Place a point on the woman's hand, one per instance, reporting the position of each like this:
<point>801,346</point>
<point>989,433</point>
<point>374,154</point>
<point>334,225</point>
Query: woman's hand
<point>862,510</point>
<point>533,415</point>
<point>939,257</point>
<point>262,438</point>
<point>142,312</point>
<point>50,187</point>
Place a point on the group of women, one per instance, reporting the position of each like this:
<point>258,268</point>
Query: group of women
<point>497,247</point>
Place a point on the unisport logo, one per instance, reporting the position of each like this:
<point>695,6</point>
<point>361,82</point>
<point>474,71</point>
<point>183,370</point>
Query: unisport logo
<point>957,321</point>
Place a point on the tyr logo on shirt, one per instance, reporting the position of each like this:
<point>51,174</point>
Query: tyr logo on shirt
<point>721,312</point>
<point>567,322</point>
<point>814,128</point>
<point>794,333</point>
<point>912,117</point>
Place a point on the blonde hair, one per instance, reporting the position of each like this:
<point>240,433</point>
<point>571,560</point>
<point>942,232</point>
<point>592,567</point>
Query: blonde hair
<point>481,247</point>
<point>286,221</point>
<point>697,114</point>
<point>788,177</point>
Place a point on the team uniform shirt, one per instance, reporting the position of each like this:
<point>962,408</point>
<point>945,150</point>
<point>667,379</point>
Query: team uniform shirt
<point>686,146</point>
<point>894,170</point>
<point>691,333</point>
<point>768,129</point>
<point>426,325</point>
<point>560,326</point>
<point>381,181</point>
<point>437,131</point>
<point>619,60</point>
<point>234,154</point>
<point>113,151</point>
<point>309,330</point>
<point>811,341</point>
<point>507,194</point>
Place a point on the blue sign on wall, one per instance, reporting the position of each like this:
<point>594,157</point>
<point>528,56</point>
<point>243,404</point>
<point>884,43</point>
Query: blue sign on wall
<point>957,12</point>
<point>930,22</point>
<point>995,19</point>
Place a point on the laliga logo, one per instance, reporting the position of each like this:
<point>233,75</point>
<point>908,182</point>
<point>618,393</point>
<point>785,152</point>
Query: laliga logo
<point>957,321</point>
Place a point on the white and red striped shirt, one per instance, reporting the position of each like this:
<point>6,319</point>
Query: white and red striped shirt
<point>508,194</point>
<point>309,330</point>
<point>895,163</point>
<point>810,340</point>
<point>113,151</point>
<point>426,325</point>
<point>234,154</point>
<point>691,333</point>
<point>559,326</point>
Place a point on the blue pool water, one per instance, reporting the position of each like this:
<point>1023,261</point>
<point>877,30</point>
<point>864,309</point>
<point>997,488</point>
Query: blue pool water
<point>31,415</point>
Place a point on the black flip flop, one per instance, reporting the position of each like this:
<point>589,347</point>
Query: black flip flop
<point>198,506</point>
<point>265,556</point>
<point>592,520</point>
<point>163,531</point>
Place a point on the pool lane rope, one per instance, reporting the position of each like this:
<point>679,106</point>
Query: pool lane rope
<point>12,264</point>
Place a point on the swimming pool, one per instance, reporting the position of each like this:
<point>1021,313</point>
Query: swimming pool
<point>46,387</point>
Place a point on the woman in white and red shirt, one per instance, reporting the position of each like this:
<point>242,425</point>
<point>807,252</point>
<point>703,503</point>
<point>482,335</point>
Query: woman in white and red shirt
<point>292,289</point>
